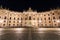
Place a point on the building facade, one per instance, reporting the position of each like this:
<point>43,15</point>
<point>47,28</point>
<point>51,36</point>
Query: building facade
<point>29,18</point>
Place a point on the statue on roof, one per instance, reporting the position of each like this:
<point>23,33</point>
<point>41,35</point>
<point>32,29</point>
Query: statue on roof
<point>30,10</point>
<point>1,7</point>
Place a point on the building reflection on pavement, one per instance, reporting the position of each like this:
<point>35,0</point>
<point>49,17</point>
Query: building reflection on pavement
<point>30,34</point>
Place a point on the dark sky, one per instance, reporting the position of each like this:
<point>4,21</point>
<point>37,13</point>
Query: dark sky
<point>39,5</point>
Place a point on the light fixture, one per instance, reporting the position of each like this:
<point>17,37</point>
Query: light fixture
<point>39,21</point>
<point>19,20</point>
<point>34,20</point>
<point>1,21</point>
<point>58,21</point>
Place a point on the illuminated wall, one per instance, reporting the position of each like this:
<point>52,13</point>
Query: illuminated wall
<point>29,18</point>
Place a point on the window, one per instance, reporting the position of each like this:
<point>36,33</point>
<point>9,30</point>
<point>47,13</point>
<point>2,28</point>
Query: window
<point>29,17</point>
<point>41,24</point>
<point>53,13</point>
<point>9,24</point>
<point>49,24</point>
<point>48,14</point>
<point>10,18</point>
<point>13,21</point>
<point>14,18</point>
<point>44,18</point>
<point>3,24</point>
<point>0,16</point>
<point>33,18</point>
<point>5,17</point>
<point>37,18</point>
<point>17,21</point>
<point>13,24</point>
<point>17,25</point>
<point>59,17</point>
<point>49,18</point>
<point>25,22</point>
<point>9,21</point>
<point>4,21</point>
<point>17,18</point>
<point>41,18</point>
<point>21,19</point>
<point>45,24</point>
<point>58,13</point>
<point>54,21</point>
<point>53,17</point>
<point>55,24</point>
<point>25,18</point>
<point>49,21</point>
<point>44,15</point>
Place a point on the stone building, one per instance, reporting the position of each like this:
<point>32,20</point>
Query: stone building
<point>29,18</point>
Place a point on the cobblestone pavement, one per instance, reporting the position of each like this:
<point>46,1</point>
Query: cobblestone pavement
<point>30,34</point>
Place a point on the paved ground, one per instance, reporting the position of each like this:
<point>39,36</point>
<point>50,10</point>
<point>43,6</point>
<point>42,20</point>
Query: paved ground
<point>30,34</point>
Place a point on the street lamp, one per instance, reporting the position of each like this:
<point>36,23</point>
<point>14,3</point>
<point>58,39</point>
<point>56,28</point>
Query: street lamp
<point>58,21</point>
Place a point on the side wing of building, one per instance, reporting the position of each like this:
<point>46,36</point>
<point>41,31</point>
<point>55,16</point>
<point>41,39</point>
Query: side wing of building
<point>29,18</point>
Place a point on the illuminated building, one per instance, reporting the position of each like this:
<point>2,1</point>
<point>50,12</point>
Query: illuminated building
<point>29,18</point>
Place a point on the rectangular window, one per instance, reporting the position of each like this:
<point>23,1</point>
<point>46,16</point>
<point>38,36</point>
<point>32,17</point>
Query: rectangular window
<point>48,14</point>
<point>53,13</point>
<point>5,17</point>
<point>37,18</point>
<point>55,24</point>
<point>17,18</point>
<point>13,21</point>
<point>17,21</point>
<point>33,18</point>
<point>13,24</point>
<point>9,21</point>
<point>59,17</point>
<point>14,18</point>
<point>44,15</point>
<point>10,18</point>
<point>17,25</point>
<point>29,17</point>
<point>3,24</point>
<point>21,19</point>
<point>49,21</point>
<point>44,18</point>
<point>25,18</point>
<point>9,24</point>
<point>53,17</point>
<point>4,21</point>
<point>49,18</point>
<point>0,16</point>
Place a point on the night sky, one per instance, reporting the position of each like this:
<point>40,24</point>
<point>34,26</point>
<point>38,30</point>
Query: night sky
<point>20,5</point>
